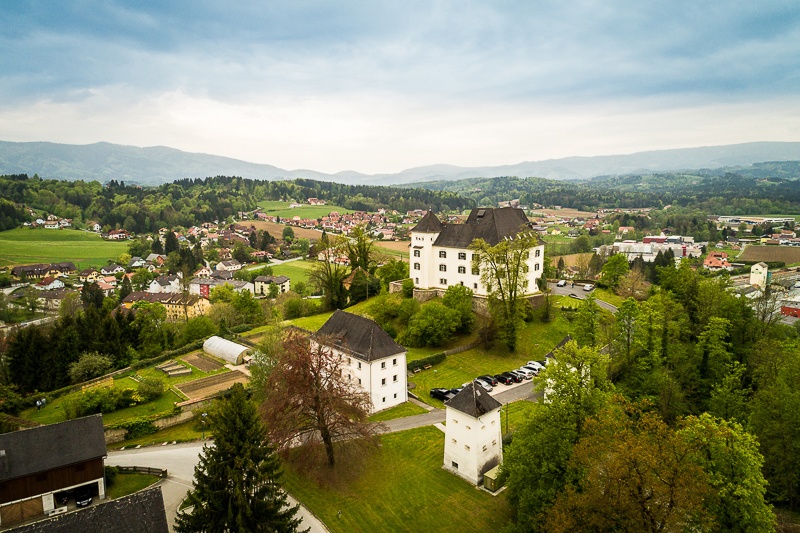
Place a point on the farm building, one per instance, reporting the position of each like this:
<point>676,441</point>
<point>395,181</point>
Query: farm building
<point>225,349</point>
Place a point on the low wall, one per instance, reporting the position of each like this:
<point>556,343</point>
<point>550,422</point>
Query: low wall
<point>396,286</point>
<point>480,304</point>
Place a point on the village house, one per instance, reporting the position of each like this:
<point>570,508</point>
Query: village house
<point>369,357</point>
<point>165,284</point>
<point>89,275</point>
<point>50,284</point>
<point>42,270</point>
<point>204,286</point>
<point>441,257</point>
<point>111,270</point>
<point>262,283</point>
<point>229,266</point>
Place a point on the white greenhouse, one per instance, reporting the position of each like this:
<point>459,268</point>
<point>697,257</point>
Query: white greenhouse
<point>225,349</point>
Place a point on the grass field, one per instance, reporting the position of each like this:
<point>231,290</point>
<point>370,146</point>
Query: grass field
<point>281,209</point>
<point>295,270</point>
<point>401,411</point>
<point>185,432</point>
<point>402,487</point>
<point>125,484</point>
<point>22,246</point>
<point>609,296</point>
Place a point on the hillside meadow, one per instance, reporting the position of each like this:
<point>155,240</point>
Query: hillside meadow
<point>23,246</point>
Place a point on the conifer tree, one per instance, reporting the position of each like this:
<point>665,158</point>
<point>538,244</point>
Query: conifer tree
<point>236,482</point>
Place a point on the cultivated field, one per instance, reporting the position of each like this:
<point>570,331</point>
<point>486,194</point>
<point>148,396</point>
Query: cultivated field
<point>281,209</point>
<point>205,387</point>
<point>202,363</point>
<point>24,246</point>
<point>788,254</point>
<point>276,230</point>
<point>569,260</point>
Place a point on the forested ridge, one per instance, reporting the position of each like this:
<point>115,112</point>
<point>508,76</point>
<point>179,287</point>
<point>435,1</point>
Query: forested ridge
<point>194,201</point>
<point>764,189</point>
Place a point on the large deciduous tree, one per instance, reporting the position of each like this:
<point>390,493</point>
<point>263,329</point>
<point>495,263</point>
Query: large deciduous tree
<point>359,250</point>
<point>236,481</point>
<point>328,274</point>
<point>615,268</point>
<point>503,270</point>
<point>310,400</point>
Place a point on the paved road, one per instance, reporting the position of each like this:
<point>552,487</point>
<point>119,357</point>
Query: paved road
<point>180,460</point>
<point>579,294</point>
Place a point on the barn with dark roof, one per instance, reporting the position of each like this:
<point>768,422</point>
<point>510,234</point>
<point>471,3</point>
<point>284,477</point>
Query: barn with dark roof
<point>36,463</point>
<point>371,357</point>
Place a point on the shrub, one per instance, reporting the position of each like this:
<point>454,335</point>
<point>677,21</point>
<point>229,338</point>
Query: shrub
<point>111,472</point>
<point>434,325</point>
<point>151,388</point>
<point>434,359</point>
<point>408,288</point>
<point>90,365</point>
<point>407,310</point>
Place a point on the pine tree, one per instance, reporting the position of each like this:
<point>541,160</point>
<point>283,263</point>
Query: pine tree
<point>236,482</point>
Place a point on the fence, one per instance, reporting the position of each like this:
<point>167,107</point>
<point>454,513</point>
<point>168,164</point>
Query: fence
<point>160,472</point>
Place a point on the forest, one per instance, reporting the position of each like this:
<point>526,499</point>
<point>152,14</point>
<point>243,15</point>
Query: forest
<point>741,192</point>
<point>188,202</point>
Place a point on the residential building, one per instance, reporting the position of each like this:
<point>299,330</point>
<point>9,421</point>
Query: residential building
<point>89,275</point>
<point>473,442</point>
<point>262,283</point>
<point>229,266</point>
<point>42,270</point>
<point>169,284</point>
<point>50,284</point>
<point>370,357</point>
<point>178,306</point>
<point>36,463</point>
<point>759,275</point>
<point>440,255</point>
<point>204,286</point>
<point>112,270</point>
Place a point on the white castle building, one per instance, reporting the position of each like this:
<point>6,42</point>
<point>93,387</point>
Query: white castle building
<point>473,442</point>
<point>440,255</point>
<point>370,357</point>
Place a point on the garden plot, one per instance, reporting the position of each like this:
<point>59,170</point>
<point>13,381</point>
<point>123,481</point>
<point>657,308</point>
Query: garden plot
<point>202,363</point>
<point>205,387</point>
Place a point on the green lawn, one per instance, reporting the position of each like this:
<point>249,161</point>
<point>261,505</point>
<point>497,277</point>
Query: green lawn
<point>281,209</point>
<point>152,372</point>
<point>402,488</point>
<point>401,411</point>
<point>608,296</point>
<point>24,246</point>
<point>295,270</point>
<point>128,483</point>
<point>184,432</point>
<point>314,322</point>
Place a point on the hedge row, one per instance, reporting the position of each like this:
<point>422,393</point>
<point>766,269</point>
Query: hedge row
<point>434,359</point>
<point>142,425</point>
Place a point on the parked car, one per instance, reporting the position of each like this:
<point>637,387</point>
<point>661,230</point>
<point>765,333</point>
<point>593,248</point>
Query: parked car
<point>455,391</point>
<point>535,364</point>
<point>504,379</point>
<point>491,380</point>
<point>515,378</point>
<point>61,498</point>
<point>588,287</point>
<point>526,372</point>
<point>562,283</point>
<point>485,385</point>
<point>534,369</point>
<point>441,394</point>
<point>83,496</point>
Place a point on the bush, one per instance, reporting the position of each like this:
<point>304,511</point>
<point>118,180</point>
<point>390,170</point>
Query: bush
<point>434,325</point>
<point>111,472</point>
<point>90,365</point>
<point>407,310</point>
<point>150,388</point>
<point>434,359</point>
<point>408,288</point>
<point>298,308</point>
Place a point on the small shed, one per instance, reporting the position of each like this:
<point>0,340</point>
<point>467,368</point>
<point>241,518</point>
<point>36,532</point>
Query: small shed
<point>227,350</point>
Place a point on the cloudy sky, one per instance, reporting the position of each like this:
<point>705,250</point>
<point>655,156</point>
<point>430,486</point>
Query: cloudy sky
<point>384,86</point>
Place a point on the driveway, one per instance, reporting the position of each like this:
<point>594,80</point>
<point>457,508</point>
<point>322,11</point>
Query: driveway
<point>579,294</point>
<point>180,460</point>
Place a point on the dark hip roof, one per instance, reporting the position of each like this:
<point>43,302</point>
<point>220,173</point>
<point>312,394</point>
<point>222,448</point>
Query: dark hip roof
<point>428,224</point>
<point>141,512</point>
<point>473,400</point>
<point>491,225</point>
<point>30,451</point>
<point>552,353</point>
<point>360,336</point>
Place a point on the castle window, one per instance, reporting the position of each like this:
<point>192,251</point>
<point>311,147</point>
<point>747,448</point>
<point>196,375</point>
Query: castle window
<point>416,253</point>
<point>536,266</point>
<point>537,253</point>
<point>442,268</point>
<point>442,254</point>
<point>462,270</point>
<point>442,281</point>
<point>462,255</point>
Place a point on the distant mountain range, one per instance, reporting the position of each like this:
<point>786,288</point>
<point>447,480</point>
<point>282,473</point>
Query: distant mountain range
<point>159,164</point>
